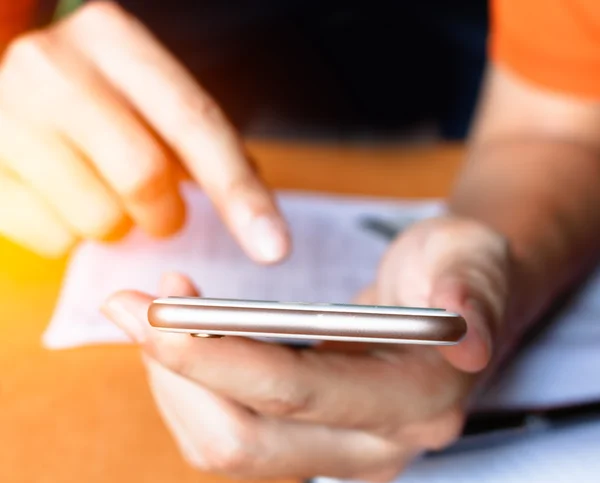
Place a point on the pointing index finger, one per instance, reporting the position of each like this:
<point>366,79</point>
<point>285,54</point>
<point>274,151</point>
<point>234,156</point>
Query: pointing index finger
<point>186,116</point>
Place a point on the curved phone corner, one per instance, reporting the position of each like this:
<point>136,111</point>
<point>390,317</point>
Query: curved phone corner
<point>154,314</point>
<point>462,330</point>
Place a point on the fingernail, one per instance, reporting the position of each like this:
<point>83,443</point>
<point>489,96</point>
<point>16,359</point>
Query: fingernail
<point>264,236</point>
<point>268,238</point>
<point>116,311</point>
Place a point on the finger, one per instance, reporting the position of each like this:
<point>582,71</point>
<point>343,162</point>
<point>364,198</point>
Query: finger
<point>224,437</point>
<point>65,182</point>
<point>79,104</point>
<point>384,475</point>
<point>370,393</point>
<point>176,284</point>
<point>218,435</point>
<point>204,424</point>
<point>26,220</point>
<point>178,424</point>
<point>474,352</point>
<point>367,296</point>
<point>189,120</point>
<point>437,432</point>
<point>311,449</point>
<point>472,282</point>
<point>136,325</point>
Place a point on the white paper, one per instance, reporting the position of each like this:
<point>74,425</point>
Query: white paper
<point>334,257</point>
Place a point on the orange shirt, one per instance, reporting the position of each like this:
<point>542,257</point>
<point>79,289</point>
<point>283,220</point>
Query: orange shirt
<point>15,17</point>
<point>552,43</point>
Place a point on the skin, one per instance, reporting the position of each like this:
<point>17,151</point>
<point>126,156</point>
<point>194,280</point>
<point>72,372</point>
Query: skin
<point>532,174</point>
<point>251,409</point>
<point>523,224</point>
<point>97,130</point>
<point>104,141</point>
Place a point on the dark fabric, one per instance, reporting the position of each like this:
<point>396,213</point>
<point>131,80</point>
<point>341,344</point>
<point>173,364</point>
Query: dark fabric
<point>45,12</point>
<point>343,67</point>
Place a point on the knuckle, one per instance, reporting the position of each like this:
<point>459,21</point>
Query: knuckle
<point>448,430</point>
<point>243,185</point>
<point>100,10</point>
<point>283,393</point>
<point>105,226</point>
<point>93,20</point>
<point>206,109</point>
<point>171,350</point>
<point>26,48</point>
<point>194,115</point>
<point>232,455</point>
<point>286,400</point>
<point>30,65</point>
<point>433,434</point>
<point>150,181</point>
<point>232,460</point>
<point>284,406</point>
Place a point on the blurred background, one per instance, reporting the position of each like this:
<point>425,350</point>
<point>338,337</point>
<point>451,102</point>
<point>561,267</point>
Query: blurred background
<point>325,69</point>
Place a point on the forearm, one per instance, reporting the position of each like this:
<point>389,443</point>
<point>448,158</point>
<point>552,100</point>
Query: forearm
<point>543,194</point>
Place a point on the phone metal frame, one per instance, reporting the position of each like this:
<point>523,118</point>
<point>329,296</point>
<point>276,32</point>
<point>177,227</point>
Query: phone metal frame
<point>205,317</point>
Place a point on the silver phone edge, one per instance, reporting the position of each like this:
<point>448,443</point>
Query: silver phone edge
<point>265,335</point>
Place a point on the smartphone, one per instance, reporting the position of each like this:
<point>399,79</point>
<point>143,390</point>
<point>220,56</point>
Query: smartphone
<point>206,317</point>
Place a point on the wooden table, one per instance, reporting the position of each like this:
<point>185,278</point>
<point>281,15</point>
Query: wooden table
<point>86,415</point>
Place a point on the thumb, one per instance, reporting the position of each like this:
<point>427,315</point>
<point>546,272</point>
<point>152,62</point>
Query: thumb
<point>129,309</point>
<point>473,353</point>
